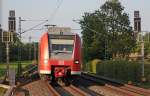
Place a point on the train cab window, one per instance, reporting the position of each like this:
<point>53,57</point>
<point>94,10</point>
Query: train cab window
<point>61,48</point>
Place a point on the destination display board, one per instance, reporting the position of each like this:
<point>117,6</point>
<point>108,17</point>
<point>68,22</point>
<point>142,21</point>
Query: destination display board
<point>68,37</point>
<point>59,29</point>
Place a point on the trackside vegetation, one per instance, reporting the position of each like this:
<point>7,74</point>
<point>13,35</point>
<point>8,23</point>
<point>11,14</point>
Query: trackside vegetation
<point>109,42</point>
<point>120,70</point>
<point>13,65</point>
<point>27,51</point>
<point>107,33</point>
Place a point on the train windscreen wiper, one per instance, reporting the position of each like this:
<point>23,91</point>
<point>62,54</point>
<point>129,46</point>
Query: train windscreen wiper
<point>57,52</point>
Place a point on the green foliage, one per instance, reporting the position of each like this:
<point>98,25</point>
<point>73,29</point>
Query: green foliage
<point>147,71</point>
<point>146,39</point>
<point>119,69</point>
<point>27,51</point>
<point>13,65</point>
<point>2,73</point>
<point>147,48</point>
<point>107,32</point>
<point>92,38</point>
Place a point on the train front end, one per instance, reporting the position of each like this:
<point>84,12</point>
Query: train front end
<point>60,55</point>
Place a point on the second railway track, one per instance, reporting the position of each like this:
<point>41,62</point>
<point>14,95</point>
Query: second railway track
<point>76,91</point>
<point>127,90</point>
<point>70,90</point>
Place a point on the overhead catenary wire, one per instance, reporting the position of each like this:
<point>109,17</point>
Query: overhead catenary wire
<point>34,26</point>
<point>49,19</point>
<point>33,37</point>
<point>52,16</point>
<point>42,28</point>
<point>33,20</point>
<point>44,21</point>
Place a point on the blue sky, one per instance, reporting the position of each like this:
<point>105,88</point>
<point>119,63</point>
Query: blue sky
<point>68,10</point>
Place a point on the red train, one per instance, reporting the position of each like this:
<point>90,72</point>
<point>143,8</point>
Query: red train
<point>60,55</point>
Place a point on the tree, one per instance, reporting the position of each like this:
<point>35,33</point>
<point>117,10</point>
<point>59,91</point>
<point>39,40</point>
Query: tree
<point>107,31</point>
<point>93,31</point>
<point>118,26</point>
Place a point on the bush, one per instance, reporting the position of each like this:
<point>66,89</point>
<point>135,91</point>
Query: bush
<point>2,73</point>
<point>119,69</point>
<point>147,71</point>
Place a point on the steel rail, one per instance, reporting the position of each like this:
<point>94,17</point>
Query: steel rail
<point>52,90</point>
<point>76,91</point>
<point>125,88</point>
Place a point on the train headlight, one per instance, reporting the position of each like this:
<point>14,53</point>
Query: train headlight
<point>76,61</point>
<point>46,61</point>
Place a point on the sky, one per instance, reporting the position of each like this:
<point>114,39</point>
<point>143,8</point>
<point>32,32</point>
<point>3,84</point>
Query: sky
<point>63,12</point>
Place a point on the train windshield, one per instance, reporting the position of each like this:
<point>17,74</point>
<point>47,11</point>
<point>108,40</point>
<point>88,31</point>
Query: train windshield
<point>61,48</point>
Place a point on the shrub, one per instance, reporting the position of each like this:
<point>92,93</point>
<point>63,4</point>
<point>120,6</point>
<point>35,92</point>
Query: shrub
<point>118,69</point>
<point>147,71</point>
<point>2,73</point>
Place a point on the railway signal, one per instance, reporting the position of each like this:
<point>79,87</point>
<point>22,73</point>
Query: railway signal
<point>7,37</point>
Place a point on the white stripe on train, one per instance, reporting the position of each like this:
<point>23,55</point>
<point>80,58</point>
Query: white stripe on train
<point>76,72</point>
<point>45,72</point>
<point>49,72</point>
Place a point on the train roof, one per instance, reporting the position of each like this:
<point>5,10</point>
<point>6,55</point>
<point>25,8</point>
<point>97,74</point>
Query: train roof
<point>61,33</point>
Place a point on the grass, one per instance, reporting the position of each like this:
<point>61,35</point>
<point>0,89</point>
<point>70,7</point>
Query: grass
<point>12,65</point>
<point>2,73</point>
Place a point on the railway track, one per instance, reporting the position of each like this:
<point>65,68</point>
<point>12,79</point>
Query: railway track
<point>76,91</point>
<point>52,91</point>
<point>70,90</point>
<point>88,86</point>
<point>97,89</point>
<point>44,88</point>
<point>127,90</point>
<point>135,89</point>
